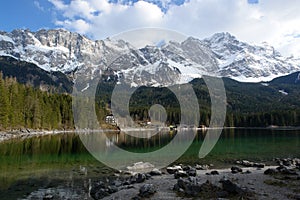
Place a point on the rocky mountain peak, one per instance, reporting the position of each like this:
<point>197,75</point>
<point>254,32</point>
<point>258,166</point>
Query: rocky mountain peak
<point>223,37</point>
<point>173,62</point>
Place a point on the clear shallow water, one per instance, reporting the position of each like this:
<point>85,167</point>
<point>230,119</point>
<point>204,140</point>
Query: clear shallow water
<point>48,161</point>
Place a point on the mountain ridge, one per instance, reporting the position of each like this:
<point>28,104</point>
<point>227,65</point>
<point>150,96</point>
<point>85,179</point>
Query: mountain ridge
<point>172,63</point>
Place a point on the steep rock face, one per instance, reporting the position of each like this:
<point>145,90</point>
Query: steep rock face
<point>245,62</point>
<point>57,50</point>
<point>172,63</point>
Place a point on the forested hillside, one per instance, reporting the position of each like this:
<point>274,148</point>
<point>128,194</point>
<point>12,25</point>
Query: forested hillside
<point>30,74</point>
<point>23,106</point>
<point>248,104</point>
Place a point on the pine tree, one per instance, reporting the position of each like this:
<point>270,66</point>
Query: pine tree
<point>4,104</point>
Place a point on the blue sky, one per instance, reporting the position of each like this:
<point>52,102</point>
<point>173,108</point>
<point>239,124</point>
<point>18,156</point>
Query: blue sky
<point>25,14</point>
<point>37,14</point>
<point>272,21</point>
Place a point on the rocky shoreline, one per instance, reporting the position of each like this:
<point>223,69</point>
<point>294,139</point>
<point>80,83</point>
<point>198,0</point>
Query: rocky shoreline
<point>27,133</point>
<point>244,180</point>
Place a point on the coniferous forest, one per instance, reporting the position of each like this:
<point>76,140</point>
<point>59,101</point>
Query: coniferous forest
<point>248,105</point>
<point>23,106</point>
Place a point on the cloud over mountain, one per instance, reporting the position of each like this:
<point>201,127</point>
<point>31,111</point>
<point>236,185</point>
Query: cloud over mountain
<point>275,22</point>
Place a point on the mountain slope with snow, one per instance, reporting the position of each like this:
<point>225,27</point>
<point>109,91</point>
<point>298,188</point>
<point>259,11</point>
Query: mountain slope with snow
<point>173,63</point>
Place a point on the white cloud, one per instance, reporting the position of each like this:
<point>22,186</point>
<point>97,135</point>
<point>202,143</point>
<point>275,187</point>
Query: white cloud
<point>58,4</point>
<point>80,26</point>
<point>38,5</point>
<point>276,21</point>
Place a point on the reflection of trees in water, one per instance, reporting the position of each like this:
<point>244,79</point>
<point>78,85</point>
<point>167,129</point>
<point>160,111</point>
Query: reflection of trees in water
<point>144,143</point>
<point>44,145</point>
<point>71,143</point>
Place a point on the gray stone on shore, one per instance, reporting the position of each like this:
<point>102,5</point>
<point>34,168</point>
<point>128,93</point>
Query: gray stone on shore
<point>172,170</point>
<point>214,172</point>
<point>231,187</point>
<point>290,172</point>
<point>186,167</point>
<point>155,172</point>
<point>192,172</point>
<point>288,162</point>
<point>99,191</point>
<point>138,178</point>
<point>147,190</point>
<point>202,167</point>
<point>247,163</point>
<point>192,187</point>
<point>247,172</point>
<point>140,167</point>
<point>270,171</point>
<point>259,165</point>
<point>117,183</point>
<point>283,170</point>
<point>236,169</point>
<point>180,174</point>
<point>188,187</point>
<point>297,197</point>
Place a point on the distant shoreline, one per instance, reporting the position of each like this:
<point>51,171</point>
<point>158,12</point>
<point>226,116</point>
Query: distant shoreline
<point>27,133</point>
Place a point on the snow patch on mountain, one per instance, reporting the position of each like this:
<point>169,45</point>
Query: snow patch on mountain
<point>283,92</point>
<point>6,38</point>
<point>163,65</point>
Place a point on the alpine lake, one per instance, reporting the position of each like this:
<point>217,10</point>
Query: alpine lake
<point>29,164</point>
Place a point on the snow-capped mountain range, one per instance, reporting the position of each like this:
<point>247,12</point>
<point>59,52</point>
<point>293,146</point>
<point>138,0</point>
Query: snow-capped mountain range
<point>172,63</point>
